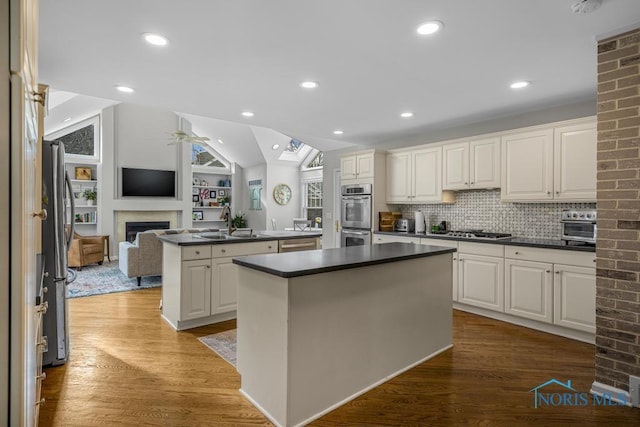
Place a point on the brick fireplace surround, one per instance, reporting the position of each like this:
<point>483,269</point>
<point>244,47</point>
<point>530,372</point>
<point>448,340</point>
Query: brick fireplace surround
<point>618,247</point>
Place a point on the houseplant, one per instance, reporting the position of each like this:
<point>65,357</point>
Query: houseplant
<point>239,221</point>
<point>91,195</point>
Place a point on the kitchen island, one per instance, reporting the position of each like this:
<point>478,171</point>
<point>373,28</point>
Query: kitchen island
<point>318,328</point>
<point>199,281</point>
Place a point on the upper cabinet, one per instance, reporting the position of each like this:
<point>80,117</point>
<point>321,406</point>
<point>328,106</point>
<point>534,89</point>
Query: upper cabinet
<point>357,166</point>
<point>552,164</point>
<point>415,176</point>
<point>471,165</point>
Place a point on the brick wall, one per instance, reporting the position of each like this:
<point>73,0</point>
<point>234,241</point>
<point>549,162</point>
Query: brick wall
<point>618,247</point>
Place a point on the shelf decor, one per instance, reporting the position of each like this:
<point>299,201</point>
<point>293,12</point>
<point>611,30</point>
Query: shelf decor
<point>83,173</point>
<point>198,215</point>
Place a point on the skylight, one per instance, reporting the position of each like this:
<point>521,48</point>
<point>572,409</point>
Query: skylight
<point>294,146</point>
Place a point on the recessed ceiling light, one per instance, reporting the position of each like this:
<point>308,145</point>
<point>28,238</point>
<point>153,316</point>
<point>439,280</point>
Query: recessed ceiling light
<point>406,114</point>
<point>220,141</point>
<point>125,89</point>
<point>155,39</point>
<point>338,132</point>
<point>66,120</point>
<point>520,85</point>
<point>309,85</point>
<point>430,27</point>
<point>247,114</point>
<point>275,146</point>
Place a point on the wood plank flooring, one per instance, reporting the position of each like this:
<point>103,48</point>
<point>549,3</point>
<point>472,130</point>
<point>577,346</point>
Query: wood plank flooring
<point>129,368</point>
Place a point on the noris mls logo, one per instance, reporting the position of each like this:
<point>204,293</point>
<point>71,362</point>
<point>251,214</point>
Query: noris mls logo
<point>569,396</point>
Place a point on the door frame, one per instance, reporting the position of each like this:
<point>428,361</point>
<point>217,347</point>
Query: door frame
<point>337,216</point>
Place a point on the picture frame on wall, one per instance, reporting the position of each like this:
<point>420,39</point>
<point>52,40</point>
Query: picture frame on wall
<point>198,215</point>
<point>212,194</point>
<point>221,193</point>
<point>82,173</point>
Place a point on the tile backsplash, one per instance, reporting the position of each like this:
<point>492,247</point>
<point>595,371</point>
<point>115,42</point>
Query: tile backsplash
<point>482,209</point>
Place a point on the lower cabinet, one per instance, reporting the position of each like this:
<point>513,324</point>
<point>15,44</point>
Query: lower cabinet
<point>224,285</point>
<point>481,281</point>
<point>454,272</point>
<point>529,289</point>
<point>195,298</point>
<point>574,297</point>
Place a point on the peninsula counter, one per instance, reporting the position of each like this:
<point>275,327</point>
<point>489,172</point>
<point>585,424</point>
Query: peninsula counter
<point>318,328</point>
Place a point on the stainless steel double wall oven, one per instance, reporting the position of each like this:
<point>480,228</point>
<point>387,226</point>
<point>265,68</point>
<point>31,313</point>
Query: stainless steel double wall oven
<point>356,211</point>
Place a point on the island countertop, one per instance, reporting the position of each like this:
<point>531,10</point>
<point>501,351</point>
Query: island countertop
<point>213,238</point>
<point>295,264</point>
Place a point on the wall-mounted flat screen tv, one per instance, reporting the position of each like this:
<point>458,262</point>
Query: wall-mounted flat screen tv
<point>148,183</point>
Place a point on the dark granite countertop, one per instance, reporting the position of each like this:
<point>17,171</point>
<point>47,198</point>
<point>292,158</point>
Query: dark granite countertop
<point>210,238</point>
<point>512,241</point>
<point>294,264</point>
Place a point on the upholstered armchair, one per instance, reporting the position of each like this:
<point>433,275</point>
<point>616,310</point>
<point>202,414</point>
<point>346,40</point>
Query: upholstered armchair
<point>85,250</point>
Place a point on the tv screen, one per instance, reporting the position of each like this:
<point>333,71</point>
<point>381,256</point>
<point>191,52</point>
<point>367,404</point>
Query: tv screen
<point>148,183</point>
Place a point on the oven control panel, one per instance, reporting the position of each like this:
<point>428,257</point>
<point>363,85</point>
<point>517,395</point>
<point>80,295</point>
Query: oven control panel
<point>587,215</point>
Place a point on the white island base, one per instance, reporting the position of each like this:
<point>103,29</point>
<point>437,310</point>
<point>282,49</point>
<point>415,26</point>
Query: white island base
<point>309,344</point>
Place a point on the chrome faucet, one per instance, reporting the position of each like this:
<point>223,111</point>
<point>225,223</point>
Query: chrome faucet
<point>226,214</point>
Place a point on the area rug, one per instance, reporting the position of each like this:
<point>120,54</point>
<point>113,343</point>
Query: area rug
<point>107,278</point>
<point>223,343</point>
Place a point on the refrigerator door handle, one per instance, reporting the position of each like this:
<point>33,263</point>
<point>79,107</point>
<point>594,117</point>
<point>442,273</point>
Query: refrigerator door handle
<point>72,204</point>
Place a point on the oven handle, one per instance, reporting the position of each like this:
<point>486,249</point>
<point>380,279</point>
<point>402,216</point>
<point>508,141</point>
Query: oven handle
<point>356,197</point>
<point>359,233</point>
<point>568,221</point>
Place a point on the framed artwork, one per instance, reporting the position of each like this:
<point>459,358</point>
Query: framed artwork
<point>198,215</point>
<point>204,193</point>
<point>195,198</point>
<point>81,140</point>
<point>221,193</point>
<point>77,191</point>
<point>82,173</point>
<point>212,194</point>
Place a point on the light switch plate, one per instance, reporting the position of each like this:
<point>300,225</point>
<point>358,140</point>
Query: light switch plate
<point>634,390</point>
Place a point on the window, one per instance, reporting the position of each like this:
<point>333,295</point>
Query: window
<point>312,208</point>
<point>202,157</point>
<point>81,140</point>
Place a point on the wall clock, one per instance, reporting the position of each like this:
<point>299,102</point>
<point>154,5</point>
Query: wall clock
<point>282,194</point>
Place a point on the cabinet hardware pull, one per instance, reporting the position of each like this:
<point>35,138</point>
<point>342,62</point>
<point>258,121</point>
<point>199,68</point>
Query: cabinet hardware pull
<point>558,272</point>
<point>517,253</point>
<point>466,183</point>
<point>197,252</point>
<point>548,193</point>
<point>223,250</point>
<point>557,192</point>
<point>208,266</point>
<point>472,182</point>
<point>42,214</point>
<point>548,271</point>
<point>454,258</point>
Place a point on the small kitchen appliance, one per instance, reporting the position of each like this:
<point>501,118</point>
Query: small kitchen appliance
<point>579,225</point>
<point>405,225</point>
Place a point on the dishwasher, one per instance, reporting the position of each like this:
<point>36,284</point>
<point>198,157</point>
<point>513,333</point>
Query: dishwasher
<point>295,245</point>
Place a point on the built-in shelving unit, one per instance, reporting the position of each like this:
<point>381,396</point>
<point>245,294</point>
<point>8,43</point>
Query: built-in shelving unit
<point>83,176</point>
<point>211,190</point>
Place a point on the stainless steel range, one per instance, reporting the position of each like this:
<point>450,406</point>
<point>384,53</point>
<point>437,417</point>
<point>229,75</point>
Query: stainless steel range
<point>475,234</point>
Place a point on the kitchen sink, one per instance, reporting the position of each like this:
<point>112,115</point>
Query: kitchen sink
<point>215,236</point>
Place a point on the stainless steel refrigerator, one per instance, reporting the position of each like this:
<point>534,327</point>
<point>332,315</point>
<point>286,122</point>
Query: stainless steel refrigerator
<point>57,199</point>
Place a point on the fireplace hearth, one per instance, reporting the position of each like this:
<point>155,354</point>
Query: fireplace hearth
<point>133,228</point>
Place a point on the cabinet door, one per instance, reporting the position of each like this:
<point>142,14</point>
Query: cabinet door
<point>427,175</point>
<point>575,162</point>
<point>484,163</point>
<point>455,166</point>
<point>399,177</point>
<point>195,292</point>
<point>574,297</point>
<point>348,167</point>
<point>388,238</point>
<point>528,290</point>
<point>527,166</point>
<point>224,286</point>
<point>481,281</point>
<point>447,244</point>
<point>364,165</point>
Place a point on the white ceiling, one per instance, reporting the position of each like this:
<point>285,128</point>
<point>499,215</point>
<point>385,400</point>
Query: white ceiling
<point>228,56</point>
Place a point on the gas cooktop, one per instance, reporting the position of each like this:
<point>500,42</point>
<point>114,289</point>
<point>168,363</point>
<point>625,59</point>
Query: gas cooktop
<point>475,234</point>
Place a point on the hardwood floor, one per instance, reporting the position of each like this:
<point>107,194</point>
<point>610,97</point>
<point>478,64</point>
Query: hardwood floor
<point>128,367</point>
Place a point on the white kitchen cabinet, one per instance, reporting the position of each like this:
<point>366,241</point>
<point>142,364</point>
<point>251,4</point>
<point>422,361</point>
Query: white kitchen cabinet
<point>574,297</point>
<point>481,281</point>
<point>529,289</point>
<point>224,285</point>
<point>574,157</point>
<point>454,272</point>
<point>550,164</point>
<point>195,293</point>
<point>471,165</point>
<point>415,176</point>
<point>357,166</point>
<point>389,238</point>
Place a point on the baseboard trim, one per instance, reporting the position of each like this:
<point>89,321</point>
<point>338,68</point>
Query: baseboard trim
<point>617,395</point>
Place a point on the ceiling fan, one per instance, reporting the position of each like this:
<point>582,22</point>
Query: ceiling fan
<point>180,136</point>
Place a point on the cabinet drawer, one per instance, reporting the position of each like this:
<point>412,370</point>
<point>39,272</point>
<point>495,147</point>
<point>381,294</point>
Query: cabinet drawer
<point>439,242</point>
<point>555,256</point>
<point>238,249</point>
<point>380,238</point>
<point>486,249</point>
<point>295,245</point>
<point>196,252</point>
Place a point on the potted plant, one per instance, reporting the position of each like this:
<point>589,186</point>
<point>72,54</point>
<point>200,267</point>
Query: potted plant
<point>239,221</point>
<point>225,200</point>
<point>91,195</point>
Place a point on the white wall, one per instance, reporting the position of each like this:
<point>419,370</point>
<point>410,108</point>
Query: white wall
<point>283,214</point>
